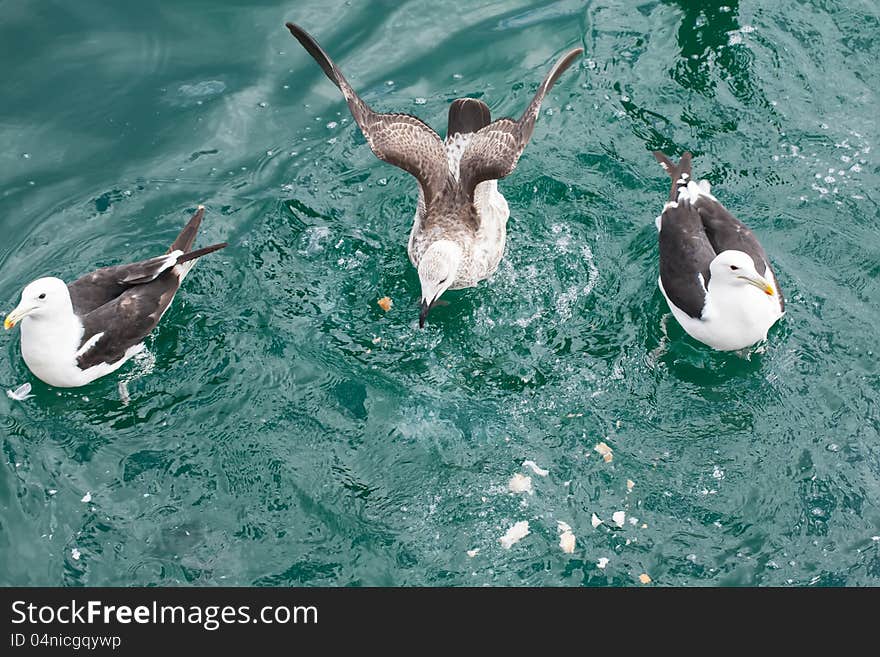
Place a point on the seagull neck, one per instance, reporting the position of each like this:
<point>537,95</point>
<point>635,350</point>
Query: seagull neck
<point>63,325</point>
<point>733,305</point>
<point>49,346</point>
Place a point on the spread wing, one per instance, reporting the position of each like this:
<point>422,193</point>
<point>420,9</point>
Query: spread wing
<point>494,150</point>
<point>399,139</point>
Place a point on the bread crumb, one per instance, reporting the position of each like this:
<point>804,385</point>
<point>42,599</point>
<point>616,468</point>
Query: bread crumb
<point>566,538</point>
<point>605,451</point>
<point>520,484</point>
<point>385,303</point>
<point>567,542</point>
<point>644,579</point>
<point>515,534</point>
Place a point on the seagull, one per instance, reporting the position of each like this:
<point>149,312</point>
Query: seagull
<point>714,273</point>
<point>460,226</point>
<point>73,334</point>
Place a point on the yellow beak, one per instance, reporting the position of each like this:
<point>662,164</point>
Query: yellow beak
<point>761,283</point>
<point>15,317</point>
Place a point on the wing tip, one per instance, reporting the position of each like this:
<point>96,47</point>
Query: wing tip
<point>198,253</point>
<point>674,170</point>
<point>312,47</point>
<point>562,64</point>
<point>187,236</point>
<point>679,172</point>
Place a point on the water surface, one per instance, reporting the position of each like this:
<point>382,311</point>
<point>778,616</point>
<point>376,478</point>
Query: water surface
<point>289,432</point>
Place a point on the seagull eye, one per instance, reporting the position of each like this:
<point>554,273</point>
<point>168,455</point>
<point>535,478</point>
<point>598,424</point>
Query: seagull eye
<point>733,267</point>
<point>42,296</point>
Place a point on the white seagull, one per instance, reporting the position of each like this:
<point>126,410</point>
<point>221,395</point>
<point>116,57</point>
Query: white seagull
<point>460,226</point>
<point>714,273</point>
<point>74,334</point>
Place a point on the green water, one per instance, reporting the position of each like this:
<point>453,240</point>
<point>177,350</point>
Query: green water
<point>289,432</point>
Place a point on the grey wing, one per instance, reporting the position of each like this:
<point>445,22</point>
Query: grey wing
<point>494,150</point>
<point>125,321</point>
<point>726,232</point>
<point>399,139</point>
<point>409,144</point>
<point>101,286</point>
<point>685,256</point>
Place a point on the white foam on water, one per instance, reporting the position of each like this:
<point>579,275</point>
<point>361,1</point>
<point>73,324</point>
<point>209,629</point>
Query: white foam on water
<point>541,472</point>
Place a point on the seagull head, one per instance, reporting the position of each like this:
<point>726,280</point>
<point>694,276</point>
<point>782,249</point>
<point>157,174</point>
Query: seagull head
<point>737,269</point>
<point>438,269</point>
<point>44,297</point>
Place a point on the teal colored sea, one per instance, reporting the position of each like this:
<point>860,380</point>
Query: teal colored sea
<point>284,430</point>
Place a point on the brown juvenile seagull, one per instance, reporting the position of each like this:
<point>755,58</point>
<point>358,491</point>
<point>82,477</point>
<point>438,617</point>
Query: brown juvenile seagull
<point>460,225</point>
<point>74,334</point>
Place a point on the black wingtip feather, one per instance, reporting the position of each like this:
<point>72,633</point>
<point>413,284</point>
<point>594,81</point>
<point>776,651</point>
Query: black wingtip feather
<point>674,170</point>
<point>198,253</point>
<point>316,51</point>
<point>187,236</point>
<point>561,67</point>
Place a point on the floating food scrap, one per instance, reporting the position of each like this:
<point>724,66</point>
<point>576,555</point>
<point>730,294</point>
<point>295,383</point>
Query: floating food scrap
<point>644,579</point>
<point>473,553</point>
<point>21,393</point>
<point>385,303</point>
<point>87,498</point>
<point>603,561</point>
<point>520,484</point>
<point>605,451</point>
<point>630,484</point>
<point>124,396</point>
<point>595,521</point>
<point>567,542</point>
<point>75,554</point>
<point>566,538</point>
<point>619,518</point>
<point>541,472</point>
<point>515,534</point>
